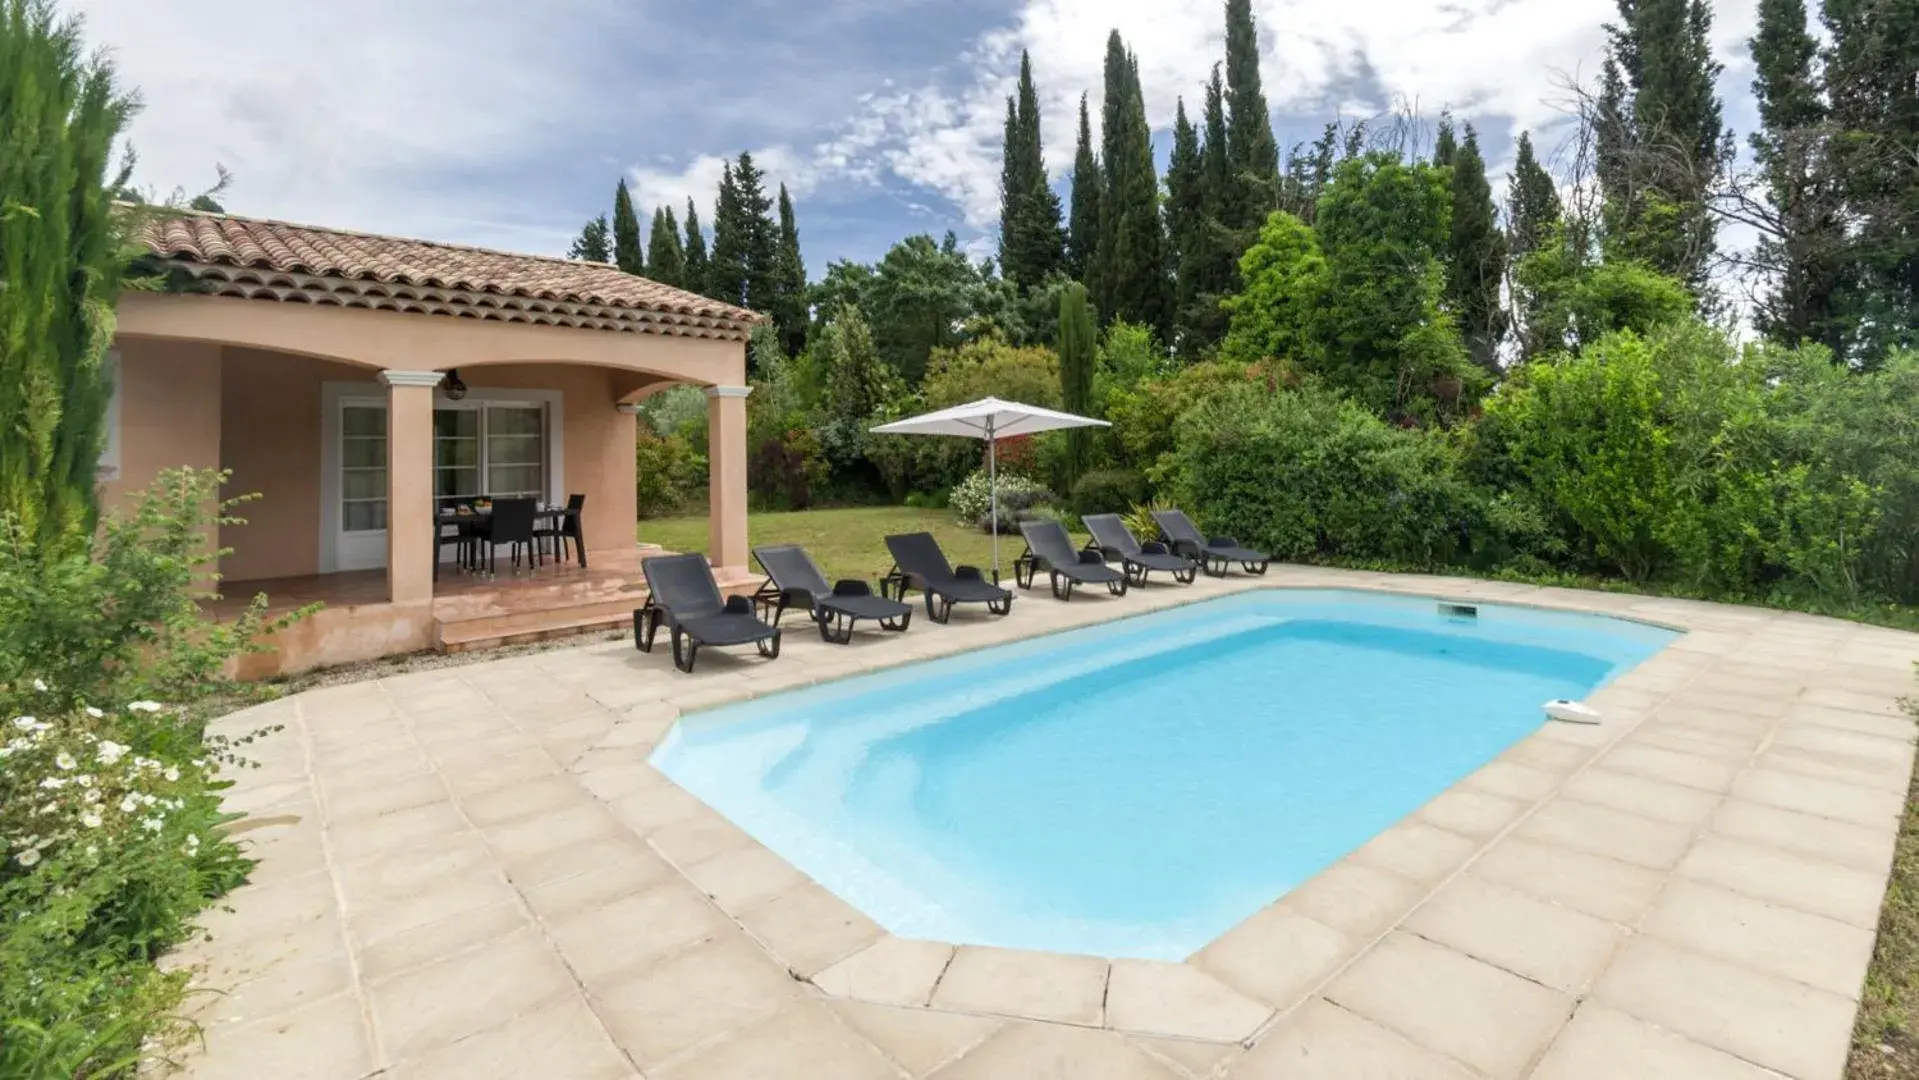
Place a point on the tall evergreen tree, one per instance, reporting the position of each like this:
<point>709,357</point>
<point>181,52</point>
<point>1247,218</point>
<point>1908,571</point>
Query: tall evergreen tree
<point>665,259</point>
<point>1131,267</point>
<point>1532,202</point>
<point>1186,226</point>
<point>1082,237</point>
<point>789,308</point>
<point>1445,143</point>
<point>627,253</point>
<point>760,233</point>
<point>1806,241</point>
<point>62,254</point>
<point>1209,255</point>
<point>1870,66</point>
<point>1663,146</point>
<point>1252,154</point>
<point>595,242</point>
<point>1077,349</point>
<point>694,270</point>
<point>1032,243</point>
<point>1475,257</point>
<point>726,263</point>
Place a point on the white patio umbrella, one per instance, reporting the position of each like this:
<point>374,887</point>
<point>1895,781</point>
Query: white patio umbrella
<point>990,419</point>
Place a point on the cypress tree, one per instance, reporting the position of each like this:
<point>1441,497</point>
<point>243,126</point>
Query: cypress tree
<point>1132,261</point>
<point>1445,145</point>
<point>789,307</point>
<point>1475,257</point>
<point>594,244</point>
<point>1532,202</point>
<point>760,234</point>
<point>627,253</point>
<point>665,261</point>
<point>1663,145</point>
<point>1252,154</point>
<point>1101,272</point>
<point>1809,237</point>
<point>1076,363</point>
<point>1031,242</point>
<point>694,269</point>
<point>726,266</point>
<point>62,254</point>
<point>1185,226</point>
<point>1082,238</point>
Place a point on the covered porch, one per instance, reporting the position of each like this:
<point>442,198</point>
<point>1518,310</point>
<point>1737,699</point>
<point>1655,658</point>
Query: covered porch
<point>361,385</point>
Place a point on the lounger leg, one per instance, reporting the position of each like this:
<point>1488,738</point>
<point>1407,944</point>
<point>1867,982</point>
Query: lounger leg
<point>898,623</point>
<point>1118,588</point>
<point>1186,576</point>
<point>770,647</point>
<point>938,608</point>
<point>1215,567</point>
<point>646,623</point>
<point>684,659</point>
<point>1255,569</point>
<point>1057,594</point>
<point>999,607</point>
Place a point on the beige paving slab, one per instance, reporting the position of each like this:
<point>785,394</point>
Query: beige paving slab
<point>1191,1058</point>
<point>1594,884</point>
<point>1416,851</point>
<point>1469,1010</point>
<point>1705,772</point>
<point>1277,956</point>
<point>1321,1041</point>
<point>440,939</point>
<point>1509,779</point>
<point>1812,949</point>
<point>738,879</point>
<point>808,928</point>
<point>1151,998</point>
<point>634,930</point>
<point>322,1041</point>
<point>692,998</point>
<point>1790,880</point>
<point>1672,803</point>
<point>891,971</point>
<point>560,1038</point>
<point>700,836</point>
<point>1856,846</point>
<point>1874,722</point>
<point>1614,834</point>
<point>621,872</point>
<point>802,1037</point>
<point>1765,1019</point>
<point>1824,798</point>
<point>1018,983</point>
<point>428,1006</point>
<point>1476,814</point>
<point>1355,899</point>
<point>1056,1052</point>
<point>1545,942</point>
<point>1602,1043</point>
<point>918,1040</point>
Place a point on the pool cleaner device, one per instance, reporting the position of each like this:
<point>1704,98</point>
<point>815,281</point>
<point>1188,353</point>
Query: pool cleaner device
<point>1571,712</point>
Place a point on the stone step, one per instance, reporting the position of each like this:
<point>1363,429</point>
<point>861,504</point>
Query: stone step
<point>514,627</point>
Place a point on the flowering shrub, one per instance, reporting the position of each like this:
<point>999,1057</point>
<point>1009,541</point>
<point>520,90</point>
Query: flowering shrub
<point>972,501</point>
<point>111,830</point>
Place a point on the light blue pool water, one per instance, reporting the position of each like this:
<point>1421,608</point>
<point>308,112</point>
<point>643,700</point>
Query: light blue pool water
<point>1135,789</point>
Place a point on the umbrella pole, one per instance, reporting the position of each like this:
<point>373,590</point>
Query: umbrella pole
<point>992,491</point>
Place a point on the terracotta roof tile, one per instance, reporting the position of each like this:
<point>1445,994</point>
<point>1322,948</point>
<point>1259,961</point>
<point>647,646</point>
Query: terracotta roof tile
<point>285,248</point>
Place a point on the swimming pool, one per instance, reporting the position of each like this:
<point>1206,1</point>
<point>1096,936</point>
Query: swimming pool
<point>1136,788</point>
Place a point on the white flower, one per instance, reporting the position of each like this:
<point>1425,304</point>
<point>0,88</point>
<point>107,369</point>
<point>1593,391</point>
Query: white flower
<point>129,804</point>
<point>29,857</point>
<point>95,713</point>
<point>40,685</point>
<point>92,795</point>
<point>92,850</point>
<point>24,723</point>
<point>199,763</point>
<point>172,774</point>
<point>65,761</point>
<point>110,751</point>
<point>84,779</point>
<point>151,824</point>
<point>49,807</point>
<point>193,843</point>
<point>91,819</point>
<point>144,706</point>
<point>148,799</point>
<point>53,783</point>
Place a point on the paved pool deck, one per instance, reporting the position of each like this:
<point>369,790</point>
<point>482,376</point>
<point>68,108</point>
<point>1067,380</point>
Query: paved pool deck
<point>471,872</point>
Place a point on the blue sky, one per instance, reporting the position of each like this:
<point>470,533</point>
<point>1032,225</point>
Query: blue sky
<point>507,124</point>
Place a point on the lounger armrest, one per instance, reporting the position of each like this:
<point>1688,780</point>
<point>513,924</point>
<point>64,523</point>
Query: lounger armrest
<point>739,605</point>
<point>796,597</point>
<point>1223,541</point>
<point>1187,548</point>
<point>968,573</point>
<point>852,587</point>
<point>1154,547</point>
<point>1092,558</point>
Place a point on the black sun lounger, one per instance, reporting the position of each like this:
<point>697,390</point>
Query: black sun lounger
<point>1215,554</point>
<point>1113,540</point>
<point>918,563</point>
<point>793,579</point>
<point>682,594</point>
<point>1048,548</point>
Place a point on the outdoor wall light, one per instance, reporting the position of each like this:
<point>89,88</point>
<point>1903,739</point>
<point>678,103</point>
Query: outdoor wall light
<point>454,388</point>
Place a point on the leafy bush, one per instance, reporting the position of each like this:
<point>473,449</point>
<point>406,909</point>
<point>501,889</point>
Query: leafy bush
<point>1144,415</point>
<point>110,822</point>
<point>788,472</point>
<point>1308,474</point>
<point>972,504</point>
<point>670,474</point>
<point>1107,491</point>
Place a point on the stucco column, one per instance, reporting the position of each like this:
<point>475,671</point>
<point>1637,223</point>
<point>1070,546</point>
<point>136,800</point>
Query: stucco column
<point>726,476</point>
<point>410,548</point>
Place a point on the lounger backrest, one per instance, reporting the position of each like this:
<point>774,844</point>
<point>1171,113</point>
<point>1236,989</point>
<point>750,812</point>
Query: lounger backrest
<point>683,585</point>
<point>1177,526</point>
<point>1049,541</point>
<point>791,567</point>
<point>1110,532</point>
<point>919,554</point>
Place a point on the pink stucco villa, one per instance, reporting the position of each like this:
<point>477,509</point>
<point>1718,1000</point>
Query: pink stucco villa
<point>325,369</point>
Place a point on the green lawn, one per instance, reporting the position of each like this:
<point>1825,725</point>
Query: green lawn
<point>847,543</point>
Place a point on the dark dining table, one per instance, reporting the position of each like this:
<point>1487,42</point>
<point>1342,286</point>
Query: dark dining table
<point>477,521</point>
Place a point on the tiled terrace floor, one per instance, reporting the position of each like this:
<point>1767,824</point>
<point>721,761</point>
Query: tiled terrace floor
<point>472,873</point>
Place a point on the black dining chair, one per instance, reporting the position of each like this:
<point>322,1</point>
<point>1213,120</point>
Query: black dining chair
<point>455,533</point>
<point>566,526</point>
<point>511,523</point>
